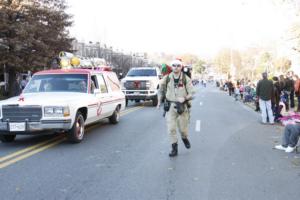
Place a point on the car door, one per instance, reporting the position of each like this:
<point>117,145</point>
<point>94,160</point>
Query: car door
<point>95,105</point>
<point>104,97</point>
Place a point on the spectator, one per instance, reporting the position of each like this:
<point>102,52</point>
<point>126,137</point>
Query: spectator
<point>297,91</point>
<point>281,82</point>
<point>241,91</point>
<point>225,86</point>
<point>264,91</point>
<point>288,84</point>
<point>236,92</point>
<point>276,98</point>
<point>253,94</point>
<point>248,97</point>
<point>17,86</point>
<point>23,82</point>
<point>204,83</point>
<point>230,87</point>
<point>282,103</point>
<point>290,138</point>
<point>290,88</point>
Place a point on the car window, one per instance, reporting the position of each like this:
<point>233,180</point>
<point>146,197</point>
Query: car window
<point>94,83</point>
<point>33,86</point>
<point>113,82</point>
<point>102,84</point>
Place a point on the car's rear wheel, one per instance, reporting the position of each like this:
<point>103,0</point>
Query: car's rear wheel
<point>115,118</point>
<point>7,138</point>
<point>76,133</point>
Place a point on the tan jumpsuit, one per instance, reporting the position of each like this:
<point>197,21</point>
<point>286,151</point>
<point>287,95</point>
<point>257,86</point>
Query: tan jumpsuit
<point>173,119</point>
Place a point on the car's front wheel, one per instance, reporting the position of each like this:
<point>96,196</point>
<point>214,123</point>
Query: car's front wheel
<point>76,133</point>
<point>7,138</point>
<point>115,118</point>
<point>155,101</point>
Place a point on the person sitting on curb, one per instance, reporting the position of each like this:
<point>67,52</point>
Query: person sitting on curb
<point>290,138</point>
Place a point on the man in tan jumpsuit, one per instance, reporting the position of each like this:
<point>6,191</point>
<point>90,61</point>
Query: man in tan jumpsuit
<point>177,87</point>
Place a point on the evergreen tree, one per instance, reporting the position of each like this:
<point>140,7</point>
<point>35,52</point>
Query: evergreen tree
<point>32,33</point>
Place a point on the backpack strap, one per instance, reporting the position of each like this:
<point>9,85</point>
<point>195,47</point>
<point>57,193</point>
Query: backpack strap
<point>184,82</point>
<point>164,89</point>
<point>168,80</point>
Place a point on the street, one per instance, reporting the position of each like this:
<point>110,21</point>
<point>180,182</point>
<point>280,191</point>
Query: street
<point>231,158</point>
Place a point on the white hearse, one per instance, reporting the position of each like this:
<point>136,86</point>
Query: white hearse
<point>62,100</point>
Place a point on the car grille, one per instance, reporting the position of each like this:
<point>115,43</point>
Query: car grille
<point>135,85</point>
<point>16,113</point>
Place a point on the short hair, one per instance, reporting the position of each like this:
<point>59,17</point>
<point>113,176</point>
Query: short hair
<point>264,75</point>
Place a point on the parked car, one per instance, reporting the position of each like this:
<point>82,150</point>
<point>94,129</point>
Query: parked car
<point>142,84</point>
<point>62,100</point>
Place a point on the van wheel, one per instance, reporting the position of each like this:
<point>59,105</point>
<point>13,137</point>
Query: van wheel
<point>115,118</point>
<point>7,138</point>
<point>154,101</point>
<point>76,133</point>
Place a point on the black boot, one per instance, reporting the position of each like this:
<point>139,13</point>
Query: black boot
<point>186,143</point>
<point>174,151</point>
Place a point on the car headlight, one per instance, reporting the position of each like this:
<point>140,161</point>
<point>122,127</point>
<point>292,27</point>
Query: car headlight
<point>148,85</point>
<point>56,111</point>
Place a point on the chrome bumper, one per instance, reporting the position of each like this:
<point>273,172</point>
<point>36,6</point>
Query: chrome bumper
<point>143,94</point>
<point>31,127</point>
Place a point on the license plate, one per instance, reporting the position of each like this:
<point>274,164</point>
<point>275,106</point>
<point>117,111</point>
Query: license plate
<point>17,126</point>
<point>136,93</point>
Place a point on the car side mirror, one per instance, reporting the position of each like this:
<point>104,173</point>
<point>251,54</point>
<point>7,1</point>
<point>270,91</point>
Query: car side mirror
<point>160,76</point>
<point>97,91</point>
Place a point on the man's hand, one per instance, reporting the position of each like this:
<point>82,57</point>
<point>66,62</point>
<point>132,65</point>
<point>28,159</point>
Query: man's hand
<point>158,105</point>
<point>180,99</point>
<point>189,97</point>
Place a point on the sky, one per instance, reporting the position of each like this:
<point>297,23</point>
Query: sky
<point>201,27</point>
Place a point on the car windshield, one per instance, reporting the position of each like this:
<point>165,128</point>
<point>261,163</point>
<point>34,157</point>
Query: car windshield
<point>142,72</point>
<point>57,83</point>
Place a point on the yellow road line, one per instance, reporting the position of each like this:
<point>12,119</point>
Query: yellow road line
<point>125,112</point>
<point>134,108</point>
<point>131,110</point>
<point>12,161</point>
<point>29,151</point>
